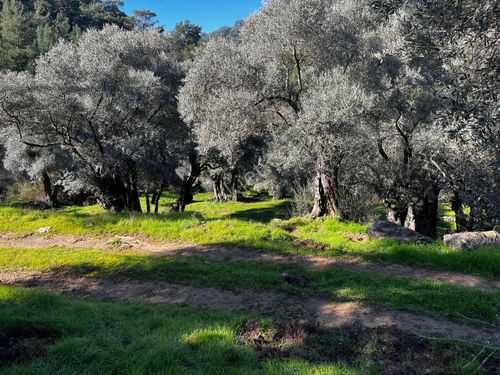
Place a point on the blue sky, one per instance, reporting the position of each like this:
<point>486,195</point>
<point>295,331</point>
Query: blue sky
<point>210,14</point>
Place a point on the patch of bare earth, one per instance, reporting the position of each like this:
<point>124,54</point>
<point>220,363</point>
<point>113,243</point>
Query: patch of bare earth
<point>389,349</point>
<point>220,253</point>
<point>326,314</point>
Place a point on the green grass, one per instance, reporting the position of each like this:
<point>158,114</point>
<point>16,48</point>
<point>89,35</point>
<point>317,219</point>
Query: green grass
<point>250,225</point>
<point>58,335</point>
<point>76,337</point>
<point>426,297</point>
<point>484,261</point>
<point>228,223</point>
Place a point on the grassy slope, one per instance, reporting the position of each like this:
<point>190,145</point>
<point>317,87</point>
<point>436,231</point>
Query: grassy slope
<point>112,338</point>
<point>425,297</point>
<point>249,225</point>
<point>92,337</point>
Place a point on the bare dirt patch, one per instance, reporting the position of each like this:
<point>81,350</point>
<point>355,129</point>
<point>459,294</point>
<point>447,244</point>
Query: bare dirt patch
<point>283,306</point>
<point>391,350</point>
<point>221,253</point>
<point>22,344</point>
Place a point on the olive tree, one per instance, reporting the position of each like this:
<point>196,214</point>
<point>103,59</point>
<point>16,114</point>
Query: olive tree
<point>106,101</point>
<point>218,102</point>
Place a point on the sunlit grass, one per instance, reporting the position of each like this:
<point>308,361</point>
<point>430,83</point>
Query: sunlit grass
<point>112,338</point>
<point>418,296</point>
<point>258,224</point>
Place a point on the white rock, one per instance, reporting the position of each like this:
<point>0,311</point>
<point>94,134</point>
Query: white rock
<point>44,230</point>
<point>472,240</point>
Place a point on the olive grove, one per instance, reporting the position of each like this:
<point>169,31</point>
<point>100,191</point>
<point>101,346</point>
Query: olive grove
<point>360,102</point>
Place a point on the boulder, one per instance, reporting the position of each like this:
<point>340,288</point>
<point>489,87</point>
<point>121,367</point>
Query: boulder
<point>472,240</point>
<point>389,230</point>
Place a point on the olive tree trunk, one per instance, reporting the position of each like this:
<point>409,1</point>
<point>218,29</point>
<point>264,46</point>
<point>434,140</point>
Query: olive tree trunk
<point>115,194</point>
<point>186,193</point>
<point>51,191</point>
<point>397,212</point>
<point>326,196</point>
<point>423,214</point>
<point>219,188</point>
<point>461,218</point>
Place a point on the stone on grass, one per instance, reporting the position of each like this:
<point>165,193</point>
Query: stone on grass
<point>472,240</point>
<point>389,230</point>
<point>44,230</point>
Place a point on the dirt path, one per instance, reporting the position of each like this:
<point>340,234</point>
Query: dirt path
<point>281,305</point>
<point>219,253</point>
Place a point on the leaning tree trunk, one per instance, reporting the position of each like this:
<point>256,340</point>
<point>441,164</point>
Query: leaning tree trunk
<point>186,193</point>
<point>423,215</point>
<point>326,196</point>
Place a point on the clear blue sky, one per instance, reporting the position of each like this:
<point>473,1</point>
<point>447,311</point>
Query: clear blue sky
<point>209,14</point>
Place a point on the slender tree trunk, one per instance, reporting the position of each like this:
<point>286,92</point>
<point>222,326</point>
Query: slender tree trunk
<point>326,198</point>
<point>148,204</point>
<point>423,215</point>
<point>157,197</point>
<point>460,216</point>
<point>186,193</point>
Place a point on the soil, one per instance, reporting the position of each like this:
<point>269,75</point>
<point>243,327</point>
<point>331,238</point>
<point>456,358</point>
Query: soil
<point>323,313</point>
<point>221,253</point>
<point>22,344</point>
<point>389,349</point>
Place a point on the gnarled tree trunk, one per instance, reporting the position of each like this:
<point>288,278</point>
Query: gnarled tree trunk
<point>115,194</point>
<point>133,202</point>
<point>326,196</point>
<point>51,191</point>
<point>235,187</point>
<point>219,189</point>
<point>423,214</point>
<point>397,212</point>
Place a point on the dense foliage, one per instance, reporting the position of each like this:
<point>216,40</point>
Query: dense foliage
<point>351,104</point>
<point>29,28</point>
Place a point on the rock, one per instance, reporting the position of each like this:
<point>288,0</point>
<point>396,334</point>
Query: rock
<point>120,243</point>
<point>472,240</point>
<point>389,230</point>
<point>44,230</point>
<point>355,237</point>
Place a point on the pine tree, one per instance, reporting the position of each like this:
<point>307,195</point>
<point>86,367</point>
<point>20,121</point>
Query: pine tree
<point>15,42</point>
<point>46,37</point>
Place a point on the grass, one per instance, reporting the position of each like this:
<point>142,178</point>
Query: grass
<point>41,333</point>
<point>426,297</point>
<point>52,334</point>
<point>258,224</point>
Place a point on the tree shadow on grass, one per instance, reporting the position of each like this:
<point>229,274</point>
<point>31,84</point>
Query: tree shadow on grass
<point>202,334</point>
<point>264,215</point>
